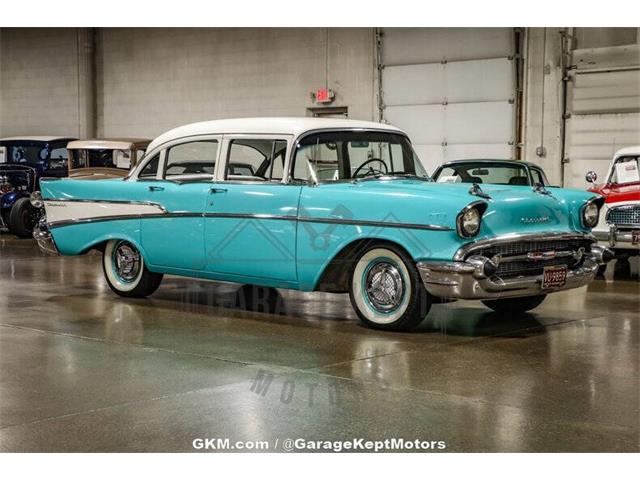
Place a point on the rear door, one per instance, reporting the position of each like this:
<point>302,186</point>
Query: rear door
<point>180,185</point>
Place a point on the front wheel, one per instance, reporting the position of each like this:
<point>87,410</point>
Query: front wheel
<point>515,305</point>
<point>386,291</point>
<point>126,272</point>
<point>23,218</point>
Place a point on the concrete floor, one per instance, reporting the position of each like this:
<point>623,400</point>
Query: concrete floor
<point>83,370</point>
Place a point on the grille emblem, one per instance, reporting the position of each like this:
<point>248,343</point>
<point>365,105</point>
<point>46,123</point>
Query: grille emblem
<point>541,255</point>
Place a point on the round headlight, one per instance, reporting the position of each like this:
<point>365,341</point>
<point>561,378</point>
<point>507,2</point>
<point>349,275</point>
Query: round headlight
<point>36,200</point>
<point>590,215</point>
<point>469,222</point>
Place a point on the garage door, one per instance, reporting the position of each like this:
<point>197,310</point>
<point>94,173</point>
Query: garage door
<point>452,90</point>
<point>604,106</point>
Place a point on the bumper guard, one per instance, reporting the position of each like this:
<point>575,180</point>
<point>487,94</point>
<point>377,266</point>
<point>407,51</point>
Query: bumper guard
<point>473,279</point>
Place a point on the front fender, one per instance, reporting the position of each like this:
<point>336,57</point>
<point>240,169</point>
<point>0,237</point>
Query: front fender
<point>10,198</point>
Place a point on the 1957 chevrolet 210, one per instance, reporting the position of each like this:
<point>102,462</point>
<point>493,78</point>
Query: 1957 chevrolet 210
<point>323,204</point>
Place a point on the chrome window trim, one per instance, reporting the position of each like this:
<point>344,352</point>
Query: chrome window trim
<point>162,150</point>
<point>299,138</point>
<point>468,248</point>
<point>228,138</point>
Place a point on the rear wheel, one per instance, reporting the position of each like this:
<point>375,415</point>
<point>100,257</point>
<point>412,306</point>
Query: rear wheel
<point>126,272</point>
<point>515,305</point>
<point>23,218</point>
<point>386,291</point>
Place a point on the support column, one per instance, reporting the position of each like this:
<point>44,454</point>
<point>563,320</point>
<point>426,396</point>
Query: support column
<point>86,82</point>
<point>544,100</point>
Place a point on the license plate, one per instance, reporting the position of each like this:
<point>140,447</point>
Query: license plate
<point>553,277</point>
<point>635,237</point>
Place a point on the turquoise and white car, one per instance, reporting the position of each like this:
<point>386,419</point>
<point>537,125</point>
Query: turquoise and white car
<point>323,205</point>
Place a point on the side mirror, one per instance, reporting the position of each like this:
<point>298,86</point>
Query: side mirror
<point>591,177</point>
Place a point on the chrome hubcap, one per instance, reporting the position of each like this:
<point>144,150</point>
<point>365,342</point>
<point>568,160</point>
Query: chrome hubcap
<point>126,261</point>
<point>384,287</point>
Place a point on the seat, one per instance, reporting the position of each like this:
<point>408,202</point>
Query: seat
<point>518,181</point>
<point>475,180</point>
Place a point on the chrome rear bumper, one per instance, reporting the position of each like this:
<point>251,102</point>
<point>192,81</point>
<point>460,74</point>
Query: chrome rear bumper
<point>470,279</point>
<point>44,239</point>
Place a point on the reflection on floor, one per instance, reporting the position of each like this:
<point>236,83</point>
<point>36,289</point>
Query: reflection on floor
<point>83,370</point>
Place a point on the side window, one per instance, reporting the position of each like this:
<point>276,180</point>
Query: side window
<point>59,158</point>
<point>256,159</point>
<point>448,175</point>
<point>319,159</point>
<point>537,176</point>
<point>192,158</point>
<point>150,170</point>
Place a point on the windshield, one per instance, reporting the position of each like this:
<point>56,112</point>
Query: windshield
<point>105,158</point>
<point>333,156</point>
<point>27,154</point>
<point>626,170</point>
<point>487,172</point>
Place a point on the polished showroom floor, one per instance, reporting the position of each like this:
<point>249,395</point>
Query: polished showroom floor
<point>83,370</point>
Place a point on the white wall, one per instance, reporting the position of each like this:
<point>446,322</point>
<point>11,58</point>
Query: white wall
<point>151,80</point>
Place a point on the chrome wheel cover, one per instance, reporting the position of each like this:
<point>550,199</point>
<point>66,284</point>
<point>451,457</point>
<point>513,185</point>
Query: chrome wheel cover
<point>384,287</point>
<point>126,261</point>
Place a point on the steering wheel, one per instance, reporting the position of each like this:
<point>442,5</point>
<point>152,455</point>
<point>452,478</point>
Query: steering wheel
<point>372,170</point>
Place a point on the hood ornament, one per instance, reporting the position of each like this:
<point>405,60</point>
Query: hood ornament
<point>477,191</point>
<point>541,189</point>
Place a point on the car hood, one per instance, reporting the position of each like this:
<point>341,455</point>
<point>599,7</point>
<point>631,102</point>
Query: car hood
<point>510,209</point>
<point>615,193</point>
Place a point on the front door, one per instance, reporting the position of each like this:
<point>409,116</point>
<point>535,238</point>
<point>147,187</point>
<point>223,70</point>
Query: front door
<point>250,225</point>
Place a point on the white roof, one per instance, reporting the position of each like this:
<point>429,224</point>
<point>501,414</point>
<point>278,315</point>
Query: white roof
<point>627,151</point>
<point>34,139</point>
<point>109,143</point>
<point>276,125</point>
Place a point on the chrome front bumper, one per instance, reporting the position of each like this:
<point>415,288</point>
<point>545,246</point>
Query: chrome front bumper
<point>618,239</point>
<point>44,239</point>
<point>467,279</point>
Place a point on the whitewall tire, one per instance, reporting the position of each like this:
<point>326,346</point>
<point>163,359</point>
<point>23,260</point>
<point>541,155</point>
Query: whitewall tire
<point>125,271</point>
<point>386,291</point>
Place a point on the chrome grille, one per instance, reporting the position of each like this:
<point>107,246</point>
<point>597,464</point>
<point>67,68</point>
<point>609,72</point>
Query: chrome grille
<point>626,215</point>
<point>508,268</point>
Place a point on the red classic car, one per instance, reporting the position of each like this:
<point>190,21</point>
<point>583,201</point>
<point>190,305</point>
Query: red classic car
<point>619,223</point>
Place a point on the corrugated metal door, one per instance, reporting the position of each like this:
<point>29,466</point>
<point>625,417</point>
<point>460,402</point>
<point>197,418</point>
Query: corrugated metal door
<point>451,89</point>
<point>603,103</point>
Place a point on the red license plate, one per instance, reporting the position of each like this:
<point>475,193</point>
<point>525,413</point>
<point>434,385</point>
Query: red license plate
<point>553,277</point>
<point>635,237</point>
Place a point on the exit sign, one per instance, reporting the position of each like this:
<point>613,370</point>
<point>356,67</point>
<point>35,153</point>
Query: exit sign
<point>324,95</point>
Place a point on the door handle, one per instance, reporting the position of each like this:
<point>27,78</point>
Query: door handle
<point>217,190</point>
<point>155,188</point>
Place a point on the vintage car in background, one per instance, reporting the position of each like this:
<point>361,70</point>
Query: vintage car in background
<point>23,161</point>
<point>619,225</point>
<point>323,205</point>
<point>497,172</point>
<point>97,159</point>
